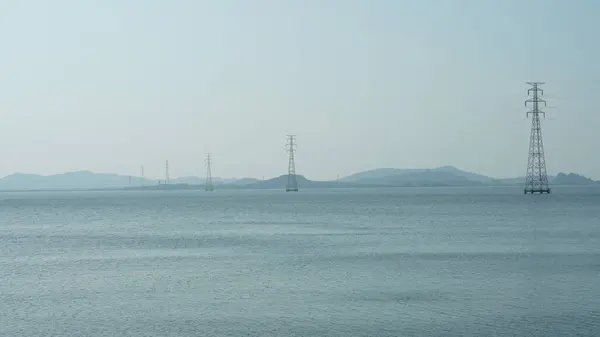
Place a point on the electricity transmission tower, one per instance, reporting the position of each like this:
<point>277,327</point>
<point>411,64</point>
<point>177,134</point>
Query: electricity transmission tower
<point>142,177</point>
<point>537,178</point>
<point>292,183</point>
<point>209,183</point>
<point>167,177</point>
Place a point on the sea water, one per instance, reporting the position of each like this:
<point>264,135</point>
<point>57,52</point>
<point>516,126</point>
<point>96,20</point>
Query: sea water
<point>346,262</point>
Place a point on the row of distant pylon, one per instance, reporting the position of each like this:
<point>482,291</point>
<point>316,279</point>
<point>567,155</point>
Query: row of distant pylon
<point>292,183</point>
<point>208,185</point>
<point>536,180</point>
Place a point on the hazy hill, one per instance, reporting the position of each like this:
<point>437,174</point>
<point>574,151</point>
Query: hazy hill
<point>89,180</point>
<point>281,182</point>
<point>469,175</point>
<point>63,181</point>
<point>244,181</point>
<point>441,176</point>
<point>449,176</point>
<point>388,172</point>
<point>421,178</point>
<point>572,179</point>
<point>376,173</point>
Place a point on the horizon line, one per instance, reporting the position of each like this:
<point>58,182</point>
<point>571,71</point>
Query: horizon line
<point>138,177</point>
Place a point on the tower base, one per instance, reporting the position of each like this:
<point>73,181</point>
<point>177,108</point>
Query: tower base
<point>534,191</point>
<point>291,190</point>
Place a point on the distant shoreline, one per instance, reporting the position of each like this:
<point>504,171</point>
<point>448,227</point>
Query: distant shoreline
<point>225,188</point>
<point>446,176</point>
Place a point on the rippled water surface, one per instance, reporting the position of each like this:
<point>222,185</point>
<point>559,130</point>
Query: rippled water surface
<point>397,262</point>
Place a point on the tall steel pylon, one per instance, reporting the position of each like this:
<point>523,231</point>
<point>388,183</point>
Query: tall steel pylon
<point>292,183</point>
<point>142,176</point>
<point>208,186</point>
<point>537,178</point>
<point>167,176</point>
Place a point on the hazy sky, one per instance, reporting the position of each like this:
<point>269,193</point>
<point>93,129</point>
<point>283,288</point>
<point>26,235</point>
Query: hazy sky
<point>110,85</point>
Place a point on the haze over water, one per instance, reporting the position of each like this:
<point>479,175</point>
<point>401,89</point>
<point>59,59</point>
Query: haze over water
<point>384,262</point>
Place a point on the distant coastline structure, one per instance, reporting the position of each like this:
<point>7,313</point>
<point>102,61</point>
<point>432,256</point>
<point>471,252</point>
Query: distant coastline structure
<point>167,176</point>
<point>292,182</point>
<point>536,180</point>
<point>208,186</point>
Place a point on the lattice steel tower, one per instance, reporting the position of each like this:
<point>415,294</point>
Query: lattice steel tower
<point>537,178</point>
<point>208,186</point>
<point>167,176</point>
<point>292,183</point>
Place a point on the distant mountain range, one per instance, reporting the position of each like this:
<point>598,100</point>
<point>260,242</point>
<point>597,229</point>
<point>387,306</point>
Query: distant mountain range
<point>449,171</point>
<point>89,180</point>
<point>573,179</point>
<point>451,176</point>
<point>443,176</point>
<point>281,182</point>
<point>383,177</point>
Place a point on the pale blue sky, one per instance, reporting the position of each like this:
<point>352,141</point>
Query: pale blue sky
<point>110,85</point>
